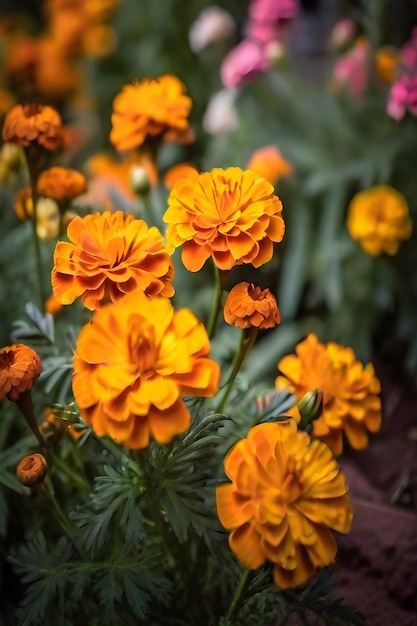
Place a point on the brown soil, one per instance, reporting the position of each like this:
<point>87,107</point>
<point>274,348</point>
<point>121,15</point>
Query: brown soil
<point>377,561</point>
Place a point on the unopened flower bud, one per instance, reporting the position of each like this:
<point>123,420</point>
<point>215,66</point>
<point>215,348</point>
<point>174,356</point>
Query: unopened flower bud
<point>310,407</point>
<point>31,470</point>
<point>139,180</point>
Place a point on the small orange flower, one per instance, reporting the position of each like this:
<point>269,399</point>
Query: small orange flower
<point>52,306</point>
<point>57,77</point>
<point>29,123</point>
<point>61,183</point>
<point>379,219</point>
<point>269,163</point>
<point>387,60</point>
<point>286,494</point>
<point>31,470</point>
<point>151,107</point>
<point>231,215</point>
<point>248,306</point>
<point>177,172</point>
<point>20,366</point>
<point>351,404</point>
<point>109,256</point>
<point>133,364</point>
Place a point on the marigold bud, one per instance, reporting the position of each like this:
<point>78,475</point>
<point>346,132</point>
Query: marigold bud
<point>139,180</point>
<point>31,470</point>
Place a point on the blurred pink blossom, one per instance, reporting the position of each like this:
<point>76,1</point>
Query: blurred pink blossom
<point>403,97</point>
<point>242,62</point>
<point>342,33</point>
<point>256,52</point>
<point>213,24</point>
<point>350,70</point>
<point>409,51</point>
<point>273,10</point>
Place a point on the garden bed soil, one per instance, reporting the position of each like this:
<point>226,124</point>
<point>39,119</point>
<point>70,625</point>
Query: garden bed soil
<point>377,561</point>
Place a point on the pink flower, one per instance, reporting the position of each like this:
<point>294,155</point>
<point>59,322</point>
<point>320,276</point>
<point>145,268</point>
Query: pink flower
<point>342,33</point>
<point>409,51</point>
<point>242,62</point>
<point>403,97</point>
<point>350,69</point>
<point>273,10</point>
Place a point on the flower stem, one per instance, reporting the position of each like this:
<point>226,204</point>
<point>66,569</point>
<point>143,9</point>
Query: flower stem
<point>34,170</point>
<point>25,406</point>
<point>219,286</point>
<point>48,495</point>
<point>239,594</point>
<point>247,339</point>
<point>79,481</point>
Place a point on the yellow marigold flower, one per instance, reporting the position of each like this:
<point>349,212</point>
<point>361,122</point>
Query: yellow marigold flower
<point>231,215</point>
<point>151,107</point>
<point>47,218</point>
<point>269,163</point>
<point>20,366</point>
<point>61,183</point>
<point>31,470</point>
<point>23,204</point>
<point>47,214</point>
<point>351,404</point>
<point>248,306</point>
<point>110,255</point>
<point>133,364</point>
<point>286,494</point>
<point>379,219</point>
<point>29,123</point>
<point>177,172</point>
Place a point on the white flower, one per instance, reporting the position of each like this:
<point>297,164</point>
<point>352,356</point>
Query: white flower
<point>212,24</point>
<point>221,115</point>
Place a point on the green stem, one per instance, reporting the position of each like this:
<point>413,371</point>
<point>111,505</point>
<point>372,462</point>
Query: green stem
<point>79,481</point>
<point>219,286</point>
<point>247,339</point>
<point>61,518</point>
<point>34,169</point>
<point>239,594</point>
<point>25,406</point>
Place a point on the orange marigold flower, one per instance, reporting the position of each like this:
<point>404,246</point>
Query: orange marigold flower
<point>231,215</point>
<point>151,107</point>
<point>379,219</point>
<point>134,362</point>
<point>177,172</point>
<point>29,123</point>
<point>247,306</point>
<point>61,183</point>
<point>32,470</point>
<point>20,366</point>
<point>351,404</point>
<point>269,163</point>
<point>286,494</point>
<point>110,255</point>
